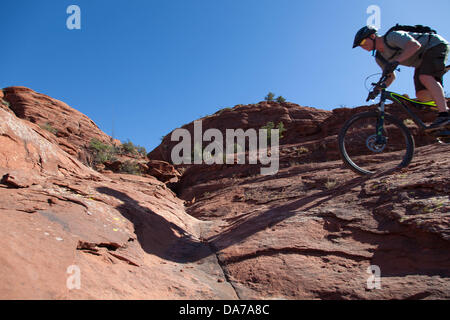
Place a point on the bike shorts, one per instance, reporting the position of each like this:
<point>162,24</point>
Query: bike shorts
<point>433,64</point>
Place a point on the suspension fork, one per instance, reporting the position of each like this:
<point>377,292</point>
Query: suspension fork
<point>380,138</point>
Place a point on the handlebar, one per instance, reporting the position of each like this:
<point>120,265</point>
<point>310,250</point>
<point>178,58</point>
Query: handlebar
<point>380,85</point>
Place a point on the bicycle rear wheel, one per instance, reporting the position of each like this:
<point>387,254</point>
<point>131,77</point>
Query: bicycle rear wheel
<point>361,152</point>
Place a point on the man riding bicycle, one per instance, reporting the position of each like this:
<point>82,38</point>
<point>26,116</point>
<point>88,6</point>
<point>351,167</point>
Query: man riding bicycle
<point>427,53</point>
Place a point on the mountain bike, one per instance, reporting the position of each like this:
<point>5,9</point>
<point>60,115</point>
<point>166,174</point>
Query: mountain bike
<point>372,140</point>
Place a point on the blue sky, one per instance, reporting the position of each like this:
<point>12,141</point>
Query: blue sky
<point>150,66</point>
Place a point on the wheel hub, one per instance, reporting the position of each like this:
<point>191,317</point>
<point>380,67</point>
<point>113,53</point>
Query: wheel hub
<point>373,145</point>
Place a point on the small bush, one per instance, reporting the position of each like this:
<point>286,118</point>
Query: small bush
<point>269,96</point>
<point>130,149</point>
<point>280,127</point>
<point>302,150</point>
<point>270,125</point>
<point>4,102</point>
<point>102,152</point>
<point>280,99</point>
<point>142,151</point>
<point>130,167</point>
<point>49,128</point>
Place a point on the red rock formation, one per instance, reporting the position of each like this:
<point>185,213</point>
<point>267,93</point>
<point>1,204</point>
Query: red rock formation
<point>69,128</point>
<point>129,236</point>
<point>298,122</point>
<point>309,232</point>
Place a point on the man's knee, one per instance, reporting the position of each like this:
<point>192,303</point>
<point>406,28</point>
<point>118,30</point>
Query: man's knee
<point>425,78</point>
<point>424,95</point>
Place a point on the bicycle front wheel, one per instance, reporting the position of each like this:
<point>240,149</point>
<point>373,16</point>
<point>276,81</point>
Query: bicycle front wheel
<point>362,152</point>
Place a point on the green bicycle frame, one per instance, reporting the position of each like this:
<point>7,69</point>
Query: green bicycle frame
<point>395,97</point>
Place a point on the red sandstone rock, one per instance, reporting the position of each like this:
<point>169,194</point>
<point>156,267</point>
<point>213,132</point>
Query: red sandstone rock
<point>298,122</point>
<point>162,171</point>
<point>67,127</point>
<point>309,232</point>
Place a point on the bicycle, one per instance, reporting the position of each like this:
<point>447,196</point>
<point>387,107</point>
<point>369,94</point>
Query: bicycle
<point>372,138</point>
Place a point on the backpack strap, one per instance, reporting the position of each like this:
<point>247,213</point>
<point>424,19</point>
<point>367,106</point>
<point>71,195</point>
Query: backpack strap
<point>385,38</point>
<point>381,58</point>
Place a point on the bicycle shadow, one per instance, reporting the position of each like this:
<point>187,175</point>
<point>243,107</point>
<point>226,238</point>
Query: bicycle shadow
<point>240,231</point>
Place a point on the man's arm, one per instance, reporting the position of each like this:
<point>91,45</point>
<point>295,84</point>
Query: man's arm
<point>390,79</point>
<point>391,76</point>
<point>406,42</point>
<point>410,49</point>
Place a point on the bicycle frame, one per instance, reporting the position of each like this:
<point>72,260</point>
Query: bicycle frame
<point>395,97</point>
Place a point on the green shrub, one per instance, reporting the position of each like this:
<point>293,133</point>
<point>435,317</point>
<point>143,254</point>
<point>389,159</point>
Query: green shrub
<point>280,127</point>
<point>131,149</point>
<point>99,146</point>
<point>130,167</point>
<point>49,128</point>
<point>269,96</point>
<point>302,150</point>
<point>280,99</point>
<point>270,126</point>
<point>128,148</point>
<point>4,102</point>
<point>142,151</point>
<point>102,152</point>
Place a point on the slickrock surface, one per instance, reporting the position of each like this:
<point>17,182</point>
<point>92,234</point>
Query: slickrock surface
<point>71,129</point>
<point>311,231</point>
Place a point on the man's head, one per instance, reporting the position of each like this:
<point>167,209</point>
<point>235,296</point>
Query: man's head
<point>365,38</point>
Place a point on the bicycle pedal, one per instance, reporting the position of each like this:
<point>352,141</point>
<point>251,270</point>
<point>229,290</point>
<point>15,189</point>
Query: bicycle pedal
<point>444,140</point>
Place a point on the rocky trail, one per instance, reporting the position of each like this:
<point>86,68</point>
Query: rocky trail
<point>314,230</point>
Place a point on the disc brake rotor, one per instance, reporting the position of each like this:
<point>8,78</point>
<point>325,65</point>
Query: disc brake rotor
<point>372,145</point>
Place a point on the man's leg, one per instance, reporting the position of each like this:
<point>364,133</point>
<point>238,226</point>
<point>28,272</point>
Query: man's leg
<point>435,90</point>
<point>424,96</point>
<point>428,80</point>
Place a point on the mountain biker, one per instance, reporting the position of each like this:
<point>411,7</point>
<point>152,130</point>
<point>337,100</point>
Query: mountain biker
<point>427,54</point>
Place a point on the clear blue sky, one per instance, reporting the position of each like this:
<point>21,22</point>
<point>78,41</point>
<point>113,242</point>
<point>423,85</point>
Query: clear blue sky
<point>150,66</point>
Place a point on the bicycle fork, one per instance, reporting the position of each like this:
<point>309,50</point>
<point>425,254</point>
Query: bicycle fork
<point>380,138</point>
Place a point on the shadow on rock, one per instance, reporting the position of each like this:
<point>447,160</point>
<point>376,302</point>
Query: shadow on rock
<point>242,230</point>
<point>155,234</point>
<point>400,249</point>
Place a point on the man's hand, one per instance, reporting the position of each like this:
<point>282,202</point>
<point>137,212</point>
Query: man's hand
<point>373,94</point>
<point>390,67</point>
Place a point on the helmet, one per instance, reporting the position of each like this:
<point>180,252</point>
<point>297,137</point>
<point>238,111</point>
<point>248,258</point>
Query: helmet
<point>363,33</point>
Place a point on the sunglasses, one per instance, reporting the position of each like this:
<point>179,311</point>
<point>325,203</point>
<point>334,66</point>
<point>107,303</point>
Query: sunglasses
<point>363,42</point>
